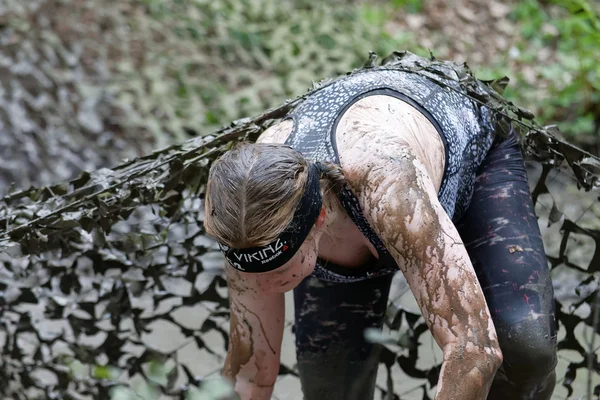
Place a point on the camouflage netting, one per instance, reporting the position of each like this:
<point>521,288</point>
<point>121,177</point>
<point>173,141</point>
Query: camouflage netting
<point>89,266</point>
<point>87,83</point>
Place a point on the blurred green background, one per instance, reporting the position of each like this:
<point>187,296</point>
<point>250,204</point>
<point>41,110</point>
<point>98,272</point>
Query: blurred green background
<point>90,82</point>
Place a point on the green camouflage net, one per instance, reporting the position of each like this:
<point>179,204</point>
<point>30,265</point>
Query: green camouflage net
<point>87,83</point>
<point>90,266</point>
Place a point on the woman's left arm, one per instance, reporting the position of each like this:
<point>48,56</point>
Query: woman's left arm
<point>399,200</point>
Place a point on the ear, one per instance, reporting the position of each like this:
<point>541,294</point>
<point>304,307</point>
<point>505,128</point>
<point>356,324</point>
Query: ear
<point>321,218</point>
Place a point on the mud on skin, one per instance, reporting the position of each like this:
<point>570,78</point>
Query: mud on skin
<point>401,204</point>
<point>241,348</point>
<point>253,353</point>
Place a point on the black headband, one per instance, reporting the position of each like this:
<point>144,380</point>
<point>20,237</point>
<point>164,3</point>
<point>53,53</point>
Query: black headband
<point>281,250</point>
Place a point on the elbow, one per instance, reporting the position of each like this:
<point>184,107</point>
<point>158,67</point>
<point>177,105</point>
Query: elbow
<point>494,358</point>
<point>484,361</point>
<point>488,361</point>
<point>258,371</point>
<point>468,371</point>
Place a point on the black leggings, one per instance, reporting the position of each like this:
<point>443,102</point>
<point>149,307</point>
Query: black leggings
<point>501,234</point>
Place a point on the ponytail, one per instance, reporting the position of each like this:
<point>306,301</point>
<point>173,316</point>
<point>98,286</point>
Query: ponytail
<point>333,174</point>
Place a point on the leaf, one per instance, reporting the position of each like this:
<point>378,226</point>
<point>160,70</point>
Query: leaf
<point>99,239</point>
<point>591,163</point>
<point>555,214</point>
<point>87,224</point>
<point>64,224</point>
<point>374,335</point>
<point>214,389</point>
<point>585,282</point>
<point>500,84</point>
<point>172,377</point>
<point>102,372</point>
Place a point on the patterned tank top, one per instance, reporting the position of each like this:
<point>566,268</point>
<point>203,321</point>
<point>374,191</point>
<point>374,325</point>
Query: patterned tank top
<point>465,128</point>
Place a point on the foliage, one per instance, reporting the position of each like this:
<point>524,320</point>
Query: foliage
<point>214,389</point>
<point>572,29</point>
<point>551,57</point>
<point>87,84</point>
<point>112,253</point>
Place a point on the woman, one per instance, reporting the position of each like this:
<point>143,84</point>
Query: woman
<point>389,168</point>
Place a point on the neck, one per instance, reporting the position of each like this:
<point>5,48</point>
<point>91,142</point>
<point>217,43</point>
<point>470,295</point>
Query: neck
<point>335,216</point>
<point>339,240</point>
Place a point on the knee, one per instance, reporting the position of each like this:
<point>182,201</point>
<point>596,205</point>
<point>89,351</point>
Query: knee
<point>528,352</point>
<point>530,362</point>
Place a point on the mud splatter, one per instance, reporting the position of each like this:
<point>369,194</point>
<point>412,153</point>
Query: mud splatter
<point>397,194</point>
<point>241,348</point>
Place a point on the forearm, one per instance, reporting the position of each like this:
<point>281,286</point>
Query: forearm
<point>253,380</point>
<point>466,376</point>
<point>252,391</point>
<point>249,389</point>
<point>256,331</point>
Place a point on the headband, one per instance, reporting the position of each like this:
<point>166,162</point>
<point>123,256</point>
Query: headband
<point>286,245</point>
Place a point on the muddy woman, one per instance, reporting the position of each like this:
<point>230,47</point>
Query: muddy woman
<point>384,170</point>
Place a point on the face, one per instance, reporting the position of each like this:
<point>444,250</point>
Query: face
<point>290,274</point>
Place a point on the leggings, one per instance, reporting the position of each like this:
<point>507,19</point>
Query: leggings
<point>502,237</point>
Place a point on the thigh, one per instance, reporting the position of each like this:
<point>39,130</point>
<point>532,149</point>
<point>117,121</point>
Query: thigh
<point>502,236</point>
<point>334,360</point>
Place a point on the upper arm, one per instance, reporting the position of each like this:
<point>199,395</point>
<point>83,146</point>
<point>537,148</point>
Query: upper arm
<point>400,202</point>
<point>256,331</point>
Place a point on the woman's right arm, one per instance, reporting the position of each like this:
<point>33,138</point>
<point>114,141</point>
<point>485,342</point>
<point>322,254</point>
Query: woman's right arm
<point>400,201</point>
<point>256,331</point>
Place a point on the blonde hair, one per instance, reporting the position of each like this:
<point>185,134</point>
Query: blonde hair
<point>254,189</point>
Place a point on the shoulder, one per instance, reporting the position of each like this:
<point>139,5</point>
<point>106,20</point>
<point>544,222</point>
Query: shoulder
<point>394,173</point>
<point>382,135</point>
<point>277,133</point>
<point>371,135</point>
<point>384,166</point>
